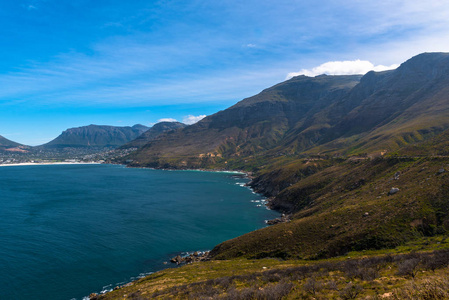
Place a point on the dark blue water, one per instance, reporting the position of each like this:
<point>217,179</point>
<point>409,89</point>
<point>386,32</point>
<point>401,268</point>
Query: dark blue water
<point>69,230</point>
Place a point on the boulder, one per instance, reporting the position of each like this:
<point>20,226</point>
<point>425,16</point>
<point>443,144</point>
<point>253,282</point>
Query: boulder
<point>393,191</point>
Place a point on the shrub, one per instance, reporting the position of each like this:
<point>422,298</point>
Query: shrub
<point>312,286</point>
<point>408,267</point>
<point>350,291</point>
<point>428,290</point>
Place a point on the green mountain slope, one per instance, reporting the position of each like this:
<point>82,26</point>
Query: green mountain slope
<point>340,206</point>
<point>298,137</point>
<point>358,165</point>
<point>96,136</point>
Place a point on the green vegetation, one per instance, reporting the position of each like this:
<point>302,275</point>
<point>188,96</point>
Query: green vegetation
<point>338,207</point>
<point>360,167</point>
<point>393,274</point>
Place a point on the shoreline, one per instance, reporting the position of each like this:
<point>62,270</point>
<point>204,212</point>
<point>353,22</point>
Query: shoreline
<point>49,163</point>
<point>182,261</point>
<point>241,172</point>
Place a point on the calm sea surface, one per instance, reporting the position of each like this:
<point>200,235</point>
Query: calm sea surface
<point>69,230</point>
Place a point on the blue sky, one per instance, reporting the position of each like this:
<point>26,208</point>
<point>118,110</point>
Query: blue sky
<point>73,63</point>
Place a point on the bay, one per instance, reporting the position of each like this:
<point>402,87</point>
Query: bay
<point>69,230</point>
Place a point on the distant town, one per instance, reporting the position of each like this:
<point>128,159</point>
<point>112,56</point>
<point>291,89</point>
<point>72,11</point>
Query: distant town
<point>68,155</point>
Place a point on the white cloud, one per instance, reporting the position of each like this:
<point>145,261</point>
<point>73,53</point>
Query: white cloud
<point>167,120</point>
<point>189,120</point>
<point>347,67</point>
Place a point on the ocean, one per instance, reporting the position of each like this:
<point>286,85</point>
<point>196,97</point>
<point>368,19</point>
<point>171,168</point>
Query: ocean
<point>69,230</point>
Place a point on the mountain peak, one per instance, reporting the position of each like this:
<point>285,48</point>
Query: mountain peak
<point>96,136</point>
<point>153,133</point>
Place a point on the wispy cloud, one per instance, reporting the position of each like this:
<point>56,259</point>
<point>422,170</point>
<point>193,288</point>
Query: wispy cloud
<point>147,68</point>
<point>342,68</point>
<point>167,120</point>
<point>190,119</point>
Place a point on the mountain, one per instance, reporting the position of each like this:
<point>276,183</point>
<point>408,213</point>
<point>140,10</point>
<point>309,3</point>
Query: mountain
<point>153,133</point>
<point>355,162</point>
<point>374,113</point>
<point>96,136</point>
<point>359,167</point>
<point>253,125</point>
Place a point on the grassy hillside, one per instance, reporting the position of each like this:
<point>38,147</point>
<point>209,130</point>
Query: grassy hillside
<point>416,271</point>
<point>338,207</point>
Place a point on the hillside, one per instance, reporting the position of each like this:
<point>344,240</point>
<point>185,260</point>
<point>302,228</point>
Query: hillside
<point>96,136</point>
<point>392,274</point>
<point>8,145</point>
<point>359,165</point>
<point>251,126</point>
<point>152,133</point>
<point>4,142</point>
<point>337,115</point>
<point>327,151</point>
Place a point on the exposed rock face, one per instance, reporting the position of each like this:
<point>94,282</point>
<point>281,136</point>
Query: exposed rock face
<point>283,219</point>
<point>190,258</point>
<point>96,136</point>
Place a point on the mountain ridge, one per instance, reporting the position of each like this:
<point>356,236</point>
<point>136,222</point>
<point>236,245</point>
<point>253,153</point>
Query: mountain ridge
<point>324,114</point>
<point>96,136</point>
<point>152,133</point>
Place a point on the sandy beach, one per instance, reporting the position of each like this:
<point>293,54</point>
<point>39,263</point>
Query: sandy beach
<point>49,163</point>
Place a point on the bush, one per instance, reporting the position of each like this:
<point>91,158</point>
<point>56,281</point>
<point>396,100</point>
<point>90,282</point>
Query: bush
<point>312,286</point>
<point>350,291</point>
<point>428,290</point>
<point>408,267</point>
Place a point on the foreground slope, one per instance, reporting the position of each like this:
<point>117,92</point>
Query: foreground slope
<point>393,274</point>
<point>340,206</point>
<point>96,136</point>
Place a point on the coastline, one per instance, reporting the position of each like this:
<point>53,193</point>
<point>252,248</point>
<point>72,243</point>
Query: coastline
<point>182,258</point>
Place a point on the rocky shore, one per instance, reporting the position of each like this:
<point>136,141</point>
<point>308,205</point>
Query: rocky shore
<point>190,258</point>
<point>283,219</point>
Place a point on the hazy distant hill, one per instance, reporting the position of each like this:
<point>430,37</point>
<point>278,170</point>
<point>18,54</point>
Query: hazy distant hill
<point>153,133</point>
<point>7,144</point>
<point>96,136</point>
<point>324,114</point>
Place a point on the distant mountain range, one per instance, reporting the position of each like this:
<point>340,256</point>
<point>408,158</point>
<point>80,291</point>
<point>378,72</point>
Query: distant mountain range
<point>96,136</point>
<point>336,115</point>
